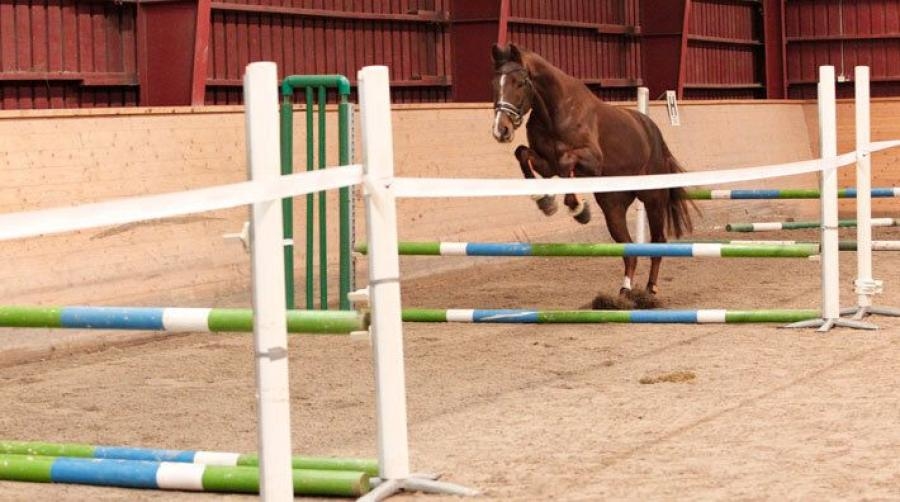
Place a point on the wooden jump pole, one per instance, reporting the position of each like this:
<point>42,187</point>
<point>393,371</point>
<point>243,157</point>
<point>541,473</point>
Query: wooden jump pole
<point>523,316</point>
<point>85,450</point>
<point>678,249</point>
<point>788,193</point>
<point>175,475</point>
<point>175,319</point>
<point>771,226</point>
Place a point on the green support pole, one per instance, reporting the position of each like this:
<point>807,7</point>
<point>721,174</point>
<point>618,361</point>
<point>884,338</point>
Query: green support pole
<point>344,203</point>
<point>287,205</point>
<point>310,203</point>
<point>323,206</point>
<point>322,83</point>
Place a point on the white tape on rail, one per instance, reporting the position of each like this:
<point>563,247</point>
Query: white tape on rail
<point>129,210</point>
<point>492,187</point>
<point>148,207</point>
<point>488,187</point>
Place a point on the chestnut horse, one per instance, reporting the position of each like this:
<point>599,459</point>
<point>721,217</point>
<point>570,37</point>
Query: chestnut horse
<point>572,133</point>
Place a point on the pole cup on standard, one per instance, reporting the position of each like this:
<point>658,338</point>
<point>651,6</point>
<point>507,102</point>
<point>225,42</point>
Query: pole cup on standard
<point>866,286</point>
<point>269,304</point>
<point>831,308</point>
<point>384,292</point>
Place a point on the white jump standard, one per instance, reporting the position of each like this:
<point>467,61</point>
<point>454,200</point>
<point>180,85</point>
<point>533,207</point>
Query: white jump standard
<point>866,286</point>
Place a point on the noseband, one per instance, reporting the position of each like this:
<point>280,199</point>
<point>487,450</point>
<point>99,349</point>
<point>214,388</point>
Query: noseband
<point>515,113</point>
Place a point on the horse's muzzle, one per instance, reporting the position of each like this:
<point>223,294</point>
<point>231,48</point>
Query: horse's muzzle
<point>504,130</point>
<point>503,135</point>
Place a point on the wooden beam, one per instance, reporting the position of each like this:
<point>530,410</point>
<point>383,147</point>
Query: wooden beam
<point>201,52</point>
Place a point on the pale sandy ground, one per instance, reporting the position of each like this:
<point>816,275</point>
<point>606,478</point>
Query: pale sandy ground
<point>553,412</point>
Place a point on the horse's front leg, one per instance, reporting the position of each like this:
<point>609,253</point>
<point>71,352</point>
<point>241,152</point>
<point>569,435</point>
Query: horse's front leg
<point>530,162</point>
<point>589,161</point>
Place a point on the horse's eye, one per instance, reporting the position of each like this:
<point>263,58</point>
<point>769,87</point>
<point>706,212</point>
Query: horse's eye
<point>520,84</point>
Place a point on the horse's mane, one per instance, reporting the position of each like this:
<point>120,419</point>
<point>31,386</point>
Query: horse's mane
<point>541,69</point>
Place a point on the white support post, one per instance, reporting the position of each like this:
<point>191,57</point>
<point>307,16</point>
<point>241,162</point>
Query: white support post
<point>640,221</point>
<point>267,263</point>
<point>831,306</point>
<point>384,292</point>
<point>384,271</point>
<point>864,281</point>
<point>866,286</point>
<point>828,189</point>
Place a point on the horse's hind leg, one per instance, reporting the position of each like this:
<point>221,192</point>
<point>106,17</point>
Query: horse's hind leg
<point>656,218</point>
<point>530,162</point>
<point>578,208</point>
<point>615,208</point>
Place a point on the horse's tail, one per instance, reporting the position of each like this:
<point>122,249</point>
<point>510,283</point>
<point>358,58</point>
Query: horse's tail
<point>679,220</point>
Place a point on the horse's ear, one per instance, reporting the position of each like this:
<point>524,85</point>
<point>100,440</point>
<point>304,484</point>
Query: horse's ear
<point>515,54</point>
<point>499,54</point>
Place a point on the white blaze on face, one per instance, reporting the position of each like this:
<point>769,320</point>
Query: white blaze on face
<point>497,113</point>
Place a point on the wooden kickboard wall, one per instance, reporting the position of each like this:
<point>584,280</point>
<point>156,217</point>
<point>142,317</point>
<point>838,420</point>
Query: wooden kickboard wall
<point>69,157</point>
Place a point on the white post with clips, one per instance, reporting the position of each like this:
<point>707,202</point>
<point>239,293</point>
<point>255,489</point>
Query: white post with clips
<point>831,307</point>
<point>384,290</point>
<point>267,262</point>
<point>865,286</point>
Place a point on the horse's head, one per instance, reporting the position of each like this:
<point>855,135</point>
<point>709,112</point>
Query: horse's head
<point>513,91</point>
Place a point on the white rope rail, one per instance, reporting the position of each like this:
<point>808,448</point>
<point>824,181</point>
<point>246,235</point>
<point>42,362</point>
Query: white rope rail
<point>493,187</point>
<point>149,207</point>
<point>142,208</point>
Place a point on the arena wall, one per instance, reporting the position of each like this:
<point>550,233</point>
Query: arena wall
<point>885,164</point>
<point>57,158</point>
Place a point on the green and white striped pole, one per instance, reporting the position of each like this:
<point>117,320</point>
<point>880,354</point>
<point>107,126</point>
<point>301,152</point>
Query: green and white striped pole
<point>677,249</point>
<point>175,319</point>
<point>174,475</point>
<point>521,316</point>
<point>84,450</point>
<point>768,226</point>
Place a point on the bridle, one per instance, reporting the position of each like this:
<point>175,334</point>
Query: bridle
<point>515,113</point>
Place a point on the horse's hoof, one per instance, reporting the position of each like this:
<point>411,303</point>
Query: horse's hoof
<point>624,292</point>
<point>547,205</point>
<point>521,153</point>
<point>652,289</point>
<point>584,217</point>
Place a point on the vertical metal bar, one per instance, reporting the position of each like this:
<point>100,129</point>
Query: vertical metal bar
<point>287,204</point>
<point>269,326</point>
<point>310,203</point>
<point>323,206</point>
<point>344,203</point>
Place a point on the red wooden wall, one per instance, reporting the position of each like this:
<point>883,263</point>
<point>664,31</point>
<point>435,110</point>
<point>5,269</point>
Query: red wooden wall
<point>74,53</point>
<point>724,57</point>
<point>332,36</point>
<point>67,54</point>
<point>596,41</point>
<point>768,48</point>
<point>842,33</point>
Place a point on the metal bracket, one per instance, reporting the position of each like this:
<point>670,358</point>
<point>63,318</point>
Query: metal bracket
<point>871,287</point>
<point>243,236</point>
